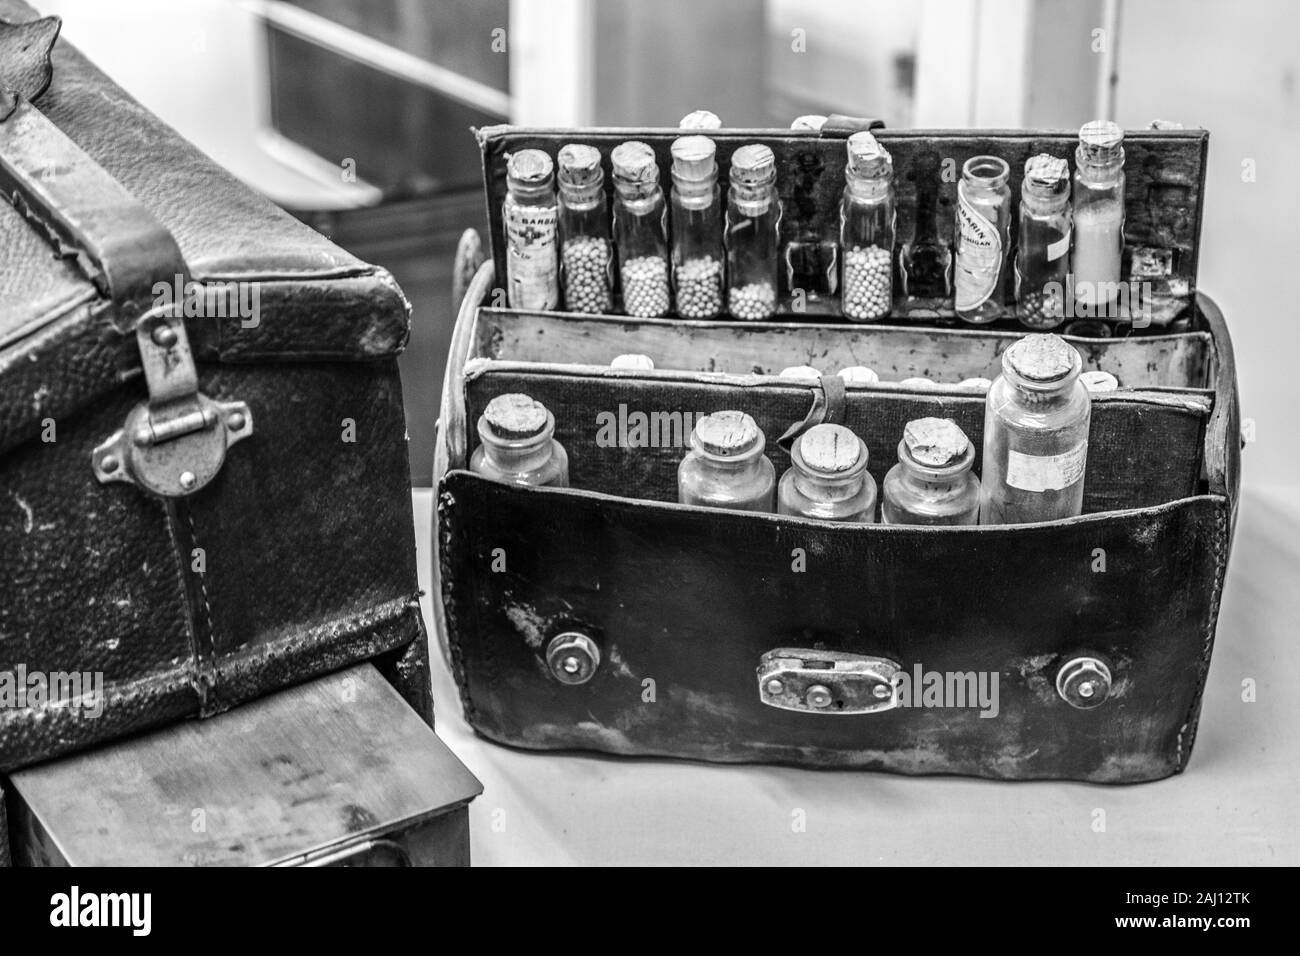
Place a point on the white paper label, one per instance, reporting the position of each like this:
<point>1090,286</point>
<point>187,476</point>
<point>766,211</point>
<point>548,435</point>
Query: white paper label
<point>979,255</point>
<point>1059,248</point>
<point>531,257</point>
<point>1046,472</point>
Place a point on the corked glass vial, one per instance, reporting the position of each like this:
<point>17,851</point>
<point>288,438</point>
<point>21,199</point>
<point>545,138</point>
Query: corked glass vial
<point>586,273</point>
<point>696,220</point>
<point>932,483</point>
<point>828,478</point>
<point>1036,420</point>
<point>1098,217</point>
<point>1043,250</point>
<point>752,234</point>
<point>726,467</point>
<point>530,215</point>
<point>983,232</point>
<point>517,444</point>
<point>867,230</point>
<point>640,231</point>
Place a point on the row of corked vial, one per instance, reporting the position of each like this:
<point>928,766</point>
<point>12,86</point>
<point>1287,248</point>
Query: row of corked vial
<point>1037,415</point>
<point>683,255</point>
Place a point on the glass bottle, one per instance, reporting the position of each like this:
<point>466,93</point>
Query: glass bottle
<point>932,484</point>
<point>1098,218</point>
<point>640,231</point>
<point>925,260</point>
<point>726,467</point>
<point>752,234</point>
<point>983,233</point>
<point>1036,421</point>
<point>1043,252</point>
<point>828,477</point>
<point>516,444</point>
<point>697,253</point>
<point>585,249</point>
<point>867,230</point>
<point>811,252</point>
<point>530,215</point>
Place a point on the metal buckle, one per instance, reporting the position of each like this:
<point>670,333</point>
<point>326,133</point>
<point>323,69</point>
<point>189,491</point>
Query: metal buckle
<point>827,682</point>
<point>175,443</point>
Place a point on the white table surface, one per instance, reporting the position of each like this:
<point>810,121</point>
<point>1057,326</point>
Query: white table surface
<point>1237,803</point>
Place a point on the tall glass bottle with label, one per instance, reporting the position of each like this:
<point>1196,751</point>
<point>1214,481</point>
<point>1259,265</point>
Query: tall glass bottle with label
<point>1098,218</point>
<point>640,231</point>
<point>696,225</point>
<point>1036,420</point>
<point>531,220</point>
<point>586,272</point>
<point>1043,252</point>
<point>983,235</point>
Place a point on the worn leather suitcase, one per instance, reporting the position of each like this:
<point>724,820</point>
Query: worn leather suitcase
<point>678,617</point>
<point>204,487</point>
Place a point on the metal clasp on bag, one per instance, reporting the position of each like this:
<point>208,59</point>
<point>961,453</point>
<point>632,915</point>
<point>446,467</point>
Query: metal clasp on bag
<point>175,443</point>
<point>827,682</point>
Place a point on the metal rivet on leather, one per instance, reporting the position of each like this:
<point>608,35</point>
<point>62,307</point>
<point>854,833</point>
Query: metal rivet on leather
<point>1084,682</point>
<point>572,657</point>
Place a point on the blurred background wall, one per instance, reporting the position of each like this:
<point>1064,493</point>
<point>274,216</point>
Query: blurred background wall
<point>355,115</point>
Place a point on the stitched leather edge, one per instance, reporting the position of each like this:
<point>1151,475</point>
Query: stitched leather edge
<point>451,606</point>
<point>1187,731</point>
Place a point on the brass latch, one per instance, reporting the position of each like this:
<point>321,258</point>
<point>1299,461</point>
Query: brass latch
<point>827,682</point>
<point>175,443</point>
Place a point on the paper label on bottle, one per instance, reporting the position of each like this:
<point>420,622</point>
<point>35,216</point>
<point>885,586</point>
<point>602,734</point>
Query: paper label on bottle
<point>1059,248</point>
<point>532,256</point>
<point>1046,472</point>
<point>979,255</point>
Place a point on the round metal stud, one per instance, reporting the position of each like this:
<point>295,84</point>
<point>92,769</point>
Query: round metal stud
<point>164,336</point>
<point>1084,682</point>
<point>572,657</point>
<point>187,480</point>
<point>775,687</point>
<point>236,421</point>
<point>109,464</point>
<point>818,696</point>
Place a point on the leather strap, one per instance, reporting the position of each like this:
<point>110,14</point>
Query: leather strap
<point>828,407</point>
<point>839,126</point>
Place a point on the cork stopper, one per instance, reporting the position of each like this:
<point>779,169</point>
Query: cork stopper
<point>935,442</point>
<point>859,375</point>
<point>693,159</point>
<point>801,372</point>
<point>917,381</point>
<point>632,360</point>
<point>634,162</point>
<point>978,382</point>
<point>700,119</point>
<point>753,165</point>
<point>729,434</point>
<point>513,417</point>
<point>830,449</point>
<point>867,158</point>
<point>1047,172</point>
<point>1041,358</point>
<point>1100,141</point>
<point>809,122</point>
<point>1099,381</point>
<point>529,167</point>
<point>580,166</point>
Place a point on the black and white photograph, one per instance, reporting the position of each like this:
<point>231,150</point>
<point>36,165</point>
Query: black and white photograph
<point>614,433</point>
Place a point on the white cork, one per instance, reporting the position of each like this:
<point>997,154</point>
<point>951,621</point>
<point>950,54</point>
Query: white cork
<point>632,360</point>
<point>727,433</point>
<point>830,449</point>
<point>859,375</point>
<point>1098,381</point>
<point>935,442</point>
<point>515,416</point>
<point>1042,357</point>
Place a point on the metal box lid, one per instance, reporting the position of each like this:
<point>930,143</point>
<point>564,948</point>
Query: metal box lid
<point>325,763</point>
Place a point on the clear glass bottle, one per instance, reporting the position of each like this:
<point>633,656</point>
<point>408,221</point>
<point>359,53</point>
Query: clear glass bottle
<point>1036,419</point>
<point>726,467</point>
<point>531,218</point>
<point>867,230</point>
<point>925,260</point>
<point>932,484</point>
<point>1098,218</point>
<point>640,231</point>
<point>828,477</point>
<point>752,234</point>
<point>1043,252</point>
<point>983,234</point>
<point>811,253</point>
<point>586,273</point>
<point>516,444</point>
<point>696,218</point>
